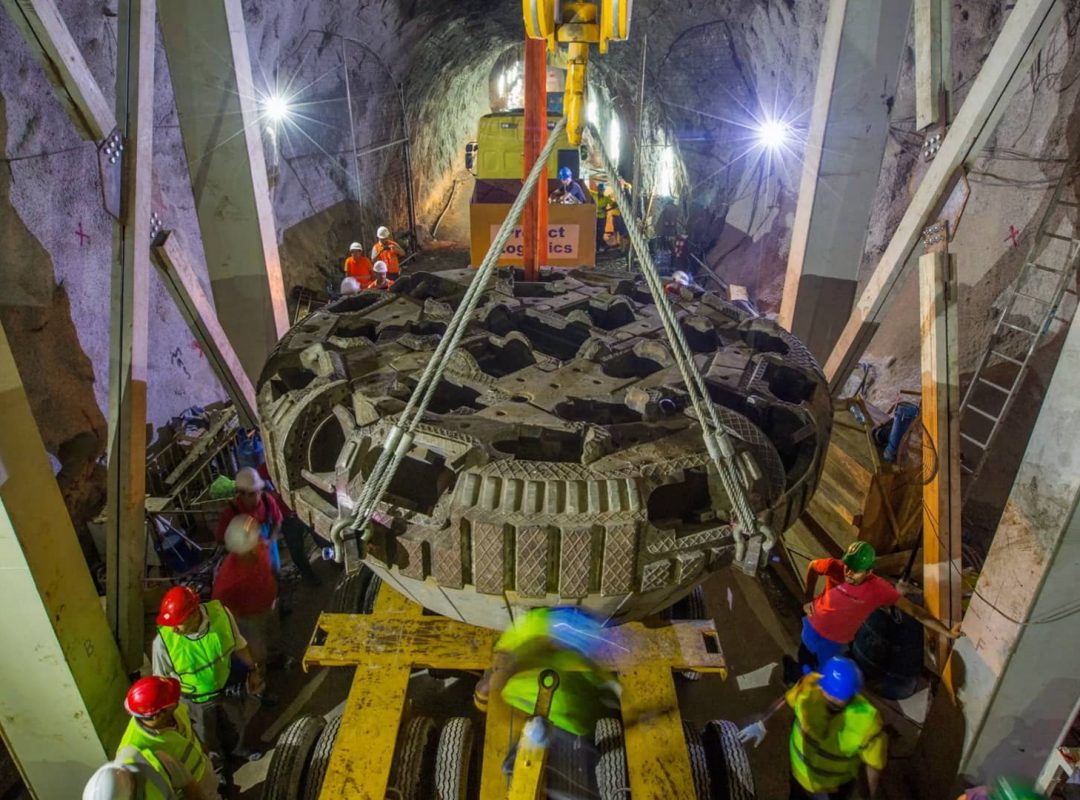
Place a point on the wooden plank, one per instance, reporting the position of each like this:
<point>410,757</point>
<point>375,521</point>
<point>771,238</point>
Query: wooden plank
<point>364,751</point>
<point>933,42</point>
<point>1025,30</point>
<point>44,29</point>
<point>125,510</point>
<point>941,419</point>
<point>656,752</point>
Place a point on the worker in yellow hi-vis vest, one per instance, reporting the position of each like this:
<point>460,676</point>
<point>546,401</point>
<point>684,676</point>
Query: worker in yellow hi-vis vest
<point>200,645</point>
<point>836,732</point>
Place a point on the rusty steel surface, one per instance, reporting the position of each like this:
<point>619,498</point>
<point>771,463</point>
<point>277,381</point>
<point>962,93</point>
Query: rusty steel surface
<point>559,461</point>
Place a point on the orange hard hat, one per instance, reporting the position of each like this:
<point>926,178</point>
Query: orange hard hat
<point>179,603</point>
<point>150,696</point>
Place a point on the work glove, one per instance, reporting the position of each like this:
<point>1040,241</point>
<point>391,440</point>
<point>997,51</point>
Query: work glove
<point>754,732</point>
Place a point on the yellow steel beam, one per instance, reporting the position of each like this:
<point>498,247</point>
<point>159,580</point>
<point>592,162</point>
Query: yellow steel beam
<point>364,751</point>
<point>655,747</point>
<point>501,729</point>
<point>391,601</point>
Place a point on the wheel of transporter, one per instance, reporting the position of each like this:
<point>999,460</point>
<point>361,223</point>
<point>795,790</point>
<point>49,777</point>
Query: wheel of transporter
<point>413,770</point>
<point>699,765</point>
<point>691,607</point>
<point>612,777</point>
<point>349,595</point>
<point>320,759</point>
<point>370,594</point>
<point>729,766</point>
<point>453,759</point>
<point>570,767</point>
<point>289,764</point>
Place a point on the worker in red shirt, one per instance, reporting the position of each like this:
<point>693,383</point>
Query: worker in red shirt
<point>852,593</point>
<point>251,499</point>
<point>358,265</point>
<point>380,281</point>
<point>246,585</point>
<point>388,251</point>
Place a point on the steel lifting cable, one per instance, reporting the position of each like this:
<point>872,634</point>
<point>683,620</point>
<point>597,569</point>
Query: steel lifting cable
<point>400,437</point>
<point>718,441</point>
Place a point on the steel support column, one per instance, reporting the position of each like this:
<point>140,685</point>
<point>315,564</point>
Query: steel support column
<point>125,508</point>
<point>1014,672</point>
<point>61,708</point>
<point>534,220</point>
<point>860,59</point>
<point>941,422</point>
<point>206,44</point>
<point>1025,31</point>
<point>48,36</point>
<point>197,310</point>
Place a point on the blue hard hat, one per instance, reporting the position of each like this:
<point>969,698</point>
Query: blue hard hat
<point>565,174</point>
<point>840,679</point>
<point>600,187</point>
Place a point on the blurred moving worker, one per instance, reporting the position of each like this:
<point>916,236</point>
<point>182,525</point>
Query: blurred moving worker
<point>388,251</point>
<point>293,529</point>
<point>568,192</point>
<point>852,593</point>
<point>357,265</point>
<point>380,279</point>
<point>131,777</point>
<point>568,641</point>
<point>836,732</point>
<point>252,499</point>
<point>350,286</point>
<point>198,644</point>
<point>246,585</point>
<point>159,735</point>
<point>603,203</point>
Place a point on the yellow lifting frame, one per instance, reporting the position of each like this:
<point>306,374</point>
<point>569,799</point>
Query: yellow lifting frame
<point>386,646</point>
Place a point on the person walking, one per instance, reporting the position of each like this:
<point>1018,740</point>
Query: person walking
<point>837,733</point>
<point>293,529</point>
<point>260,505</point>
<point>387,251</point>
<point>358,265</point>
<point>380,282</point>
<point>852,593</point>
<point>197,644</point>
<point>246,585</point>
<point>160,736</point>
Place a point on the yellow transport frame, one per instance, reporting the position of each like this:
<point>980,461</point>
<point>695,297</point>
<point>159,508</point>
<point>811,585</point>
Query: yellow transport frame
<point>386,646</point>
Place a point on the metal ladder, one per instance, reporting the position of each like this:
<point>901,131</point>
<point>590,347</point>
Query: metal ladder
<point>1036,294</point>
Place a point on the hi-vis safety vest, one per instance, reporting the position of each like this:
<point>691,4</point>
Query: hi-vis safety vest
<point>827,749</point>
<point>389,256</point>
<point>180,743</point>
<point>202,664</point>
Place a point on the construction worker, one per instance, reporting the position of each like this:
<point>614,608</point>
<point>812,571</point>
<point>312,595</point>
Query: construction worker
<point>603,202</point>
<point>380,281</point>
<point>388,251</point>
<point>131,777</point>
<point>357,265</point>
<point>852,593</point>
<point>350,286</point>
<point>246,585</point>
<point>252,499</point>
<point>836,731</point>
<point>160,735</point>
<point>568,192</point>
<point>197,644</point>
<point>680,287</point>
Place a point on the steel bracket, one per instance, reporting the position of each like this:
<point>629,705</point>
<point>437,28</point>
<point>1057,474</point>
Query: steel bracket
<point>111,168</point>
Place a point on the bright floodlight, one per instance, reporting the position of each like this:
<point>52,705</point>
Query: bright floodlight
<point>773,133</point>
<point>277,108</point>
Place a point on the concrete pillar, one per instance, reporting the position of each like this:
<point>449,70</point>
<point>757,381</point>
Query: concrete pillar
<point>849,126</point>
<point>61,706</point>
<point>1017,685</point>
<point>216,98</point>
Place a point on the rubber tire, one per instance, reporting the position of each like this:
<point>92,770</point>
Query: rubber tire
<point>570,770</point>
<point>349,595</point>
<point>453,759</point>
<point>612,777</point>
<point>412,772</point>
<point>729,765</point>
<point>288,769</point>
<point>370,594</point>
<point>691,607</point>
<point>699,764</point>
<point>320,759</point>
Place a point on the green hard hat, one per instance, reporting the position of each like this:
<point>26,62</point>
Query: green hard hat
<point>1009,789</point>
<point>859,556</point>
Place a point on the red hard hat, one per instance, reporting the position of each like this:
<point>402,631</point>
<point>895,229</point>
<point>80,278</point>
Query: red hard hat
<point>150,696</point>
<point>179,603</point>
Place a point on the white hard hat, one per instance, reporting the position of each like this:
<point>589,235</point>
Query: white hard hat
<point>249,480</point>
<point>383,232</point>
<point>682,278</point>
<point>380,266</point>
<point>355,246</point>
<point>350,286</point>
<point>242,534</point>
<point>112,781</point>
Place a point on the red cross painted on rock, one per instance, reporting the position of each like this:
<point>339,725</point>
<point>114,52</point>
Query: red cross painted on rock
<point>1014,236</point>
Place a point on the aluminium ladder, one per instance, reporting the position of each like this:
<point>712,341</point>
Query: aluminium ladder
<point>1031,307</point>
